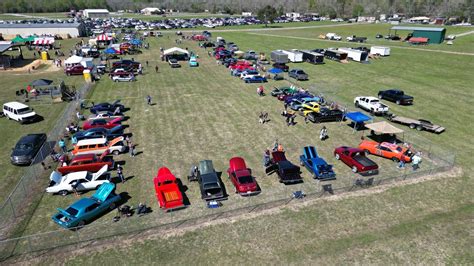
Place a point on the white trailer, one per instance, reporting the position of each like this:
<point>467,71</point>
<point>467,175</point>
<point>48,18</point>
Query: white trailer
<point>294,55</point>
<point>356,55</point>
<point>380,50</point>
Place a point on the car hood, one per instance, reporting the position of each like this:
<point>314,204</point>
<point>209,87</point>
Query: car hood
<point>21,152</point>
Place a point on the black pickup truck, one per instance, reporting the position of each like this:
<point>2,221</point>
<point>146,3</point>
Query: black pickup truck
<point>209,183</point>
<point>287,172</point>
<point>397,96</point>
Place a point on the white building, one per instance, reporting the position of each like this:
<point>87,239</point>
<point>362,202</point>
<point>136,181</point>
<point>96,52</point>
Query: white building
<point>293,15</point>
<point>151,11</point>
<point>65,30</point>
<point>246,14</point>
<point>95,13</point>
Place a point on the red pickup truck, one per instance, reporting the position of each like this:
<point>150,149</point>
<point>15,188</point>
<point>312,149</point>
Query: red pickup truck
<point>356,159</point>
<point>85,162</point>
<point>167,190</point>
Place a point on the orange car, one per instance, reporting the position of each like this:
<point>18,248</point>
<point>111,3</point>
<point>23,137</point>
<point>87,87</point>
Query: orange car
<point>387,150</point>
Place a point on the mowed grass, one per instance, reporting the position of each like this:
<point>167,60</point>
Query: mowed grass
<point>203,113</point>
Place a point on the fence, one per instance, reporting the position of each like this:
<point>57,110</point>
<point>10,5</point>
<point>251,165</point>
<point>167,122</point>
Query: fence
<point>30,187</point>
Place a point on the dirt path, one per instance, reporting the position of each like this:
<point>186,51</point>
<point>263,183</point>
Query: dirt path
<point>391,46</point>
<point>464,33</point>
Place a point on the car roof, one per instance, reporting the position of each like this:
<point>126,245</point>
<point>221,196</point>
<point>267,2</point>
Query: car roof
<point>16,105</point>
<point>92,141</point>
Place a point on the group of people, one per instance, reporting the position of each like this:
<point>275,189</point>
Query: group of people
<point>263,118</point>
<point>266,155</point>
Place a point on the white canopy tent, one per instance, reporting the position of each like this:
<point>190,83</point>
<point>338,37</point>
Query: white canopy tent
<point>175,50</point>
<point>384,128</point>
<point>73,60</point>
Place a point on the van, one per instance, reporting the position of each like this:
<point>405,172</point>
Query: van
<point>19,112</point>
<point>99,146</point>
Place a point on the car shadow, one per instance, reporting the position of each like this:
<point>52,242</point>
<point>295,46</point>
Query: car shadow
<point>224,190</point>
<point>360,127</point>
<point>183,188</point>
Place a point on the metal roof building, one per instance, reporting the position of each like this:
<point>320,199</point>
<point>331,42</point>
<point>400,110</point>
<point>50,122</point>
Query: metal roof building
<point>65,30</point>
<point>434,35</point>
<point>95,13</point>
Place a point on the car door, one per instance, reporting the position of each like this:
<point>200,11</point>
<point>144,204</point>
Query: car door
<point>92,211</point>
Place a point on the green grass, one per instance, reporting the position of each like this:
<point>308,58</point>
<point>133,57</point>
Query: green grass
<point>203,113</point>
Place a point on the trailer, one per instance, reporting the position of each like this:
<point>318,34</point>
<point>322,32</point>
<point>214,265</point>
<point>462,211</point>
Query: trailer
<point>380,50</point>
<point>335,55</point>
<point>418,124</point>
<point>312,57</point>
<point>356,55</point>
<point>278,56</point>
<point>294,55</point>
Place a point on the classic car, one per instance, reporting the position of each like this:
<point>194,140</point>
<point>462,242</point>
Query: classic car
<point>326,115</point>
<point>356,159</point>
<point>83,181</point>
<point>100,132</point>
<point>126,63</point>
<point>387,150</point>
<point>283,90</point>
<point>241,177</point>
<point>238,63</point>
<point>316,165</point>
<point>193,62</point>
<point>26,149</point>
<point>167,190</point>
<point>124,78</point>
<point>298,74</point>
<point>85,162</point>
<point>108,124</point>
<point>249,74</point>
<point>87,209</point>
<point>397,96</point>
<point>75,70</point>
<point>209,183</point>
<point>296,104</point>
<point>103,115</point>
<point>174,63</point>
<point>310,107</point>
<point>371,104</point>
<point>104,107</point>
<point>99,146</point>
<point>255,79</point>
<point>299,96</point>
<point>287,172</point>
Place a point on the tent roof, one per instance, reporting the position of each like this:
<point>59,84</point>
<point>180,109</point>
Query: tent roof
<point>175,50</point>
<point>275,71</point>
<point>73,60</point>
<point>41,82</point>
<point>358,117</point>
<point>384,127</point>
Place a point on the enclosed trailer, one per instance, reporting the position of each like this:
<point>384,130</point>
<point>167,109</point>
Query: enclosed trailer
<point>335,55</point>
<point>294,55</point>
<point>380,50</point>
<point>312,57</point>
<point>278,56</point>
<point>356,55</point>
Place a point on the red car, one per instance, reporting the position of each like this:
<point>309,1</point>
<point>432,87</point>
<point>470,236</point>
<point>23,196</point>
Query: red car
<point>85,162</point>
<point>199,38</point>
<point>75,70</point>
<point>108,124</point>
<point>356,159</point>
<point>241,177</point>
<point>167,190</point>
<point>239,64</point>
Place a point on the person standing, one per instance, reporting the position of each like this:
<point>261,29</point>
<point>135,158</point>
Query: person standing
<point>148,99</point>
<point>416,160</point>
<point>266,158</point>
<point>120,173</point>
<point>323,133</point>
<point>146,63</point>
<point>156,68</point>
<point>62,145</point>
<point>131,148</point>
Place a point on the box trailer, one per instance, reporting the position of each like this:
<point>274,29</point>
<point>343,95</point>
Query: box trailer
<point>278,56</point>
<point>335,54</point>
<point>312,57</point>
<point>356,55</point>
<point>380,50</point>
<point>294,55</point>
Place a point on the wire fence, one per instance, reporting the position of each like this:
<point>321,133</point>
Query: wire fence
<point>29,189</point>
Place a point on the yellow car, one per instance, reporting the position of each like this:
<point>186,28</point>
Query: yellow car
<point>310,107</point>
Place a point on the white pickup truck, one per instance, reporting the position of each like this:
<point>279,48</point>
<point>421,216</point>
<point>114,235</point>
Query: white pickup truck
<point>371,104</point>
<point>333,36</point>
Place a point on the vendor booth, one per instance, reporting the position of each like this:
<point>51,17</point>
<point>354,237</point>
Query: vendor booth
<point>176,53</point>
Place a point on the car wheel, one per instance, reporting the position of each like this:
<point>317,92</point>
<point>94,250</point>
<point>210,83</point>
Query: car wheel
<point>395,159</point>
<point>63,192</point>
<point>398,102</point>
<point>356,104</point>
<point>116,80</point>
<point>338,157</point>
<point>419,128</point>
<point>380,96</point>
<point>354,169</point>
<point>412,126</point>
<point>116,152</point>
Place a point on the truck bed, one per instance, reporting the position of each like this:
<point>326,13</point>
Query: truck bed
<point>364,161</point>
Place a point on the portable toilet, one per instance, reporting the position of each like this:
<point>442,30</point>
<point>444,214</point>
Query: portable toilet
<point>44,55</point>
<point>87,75</point>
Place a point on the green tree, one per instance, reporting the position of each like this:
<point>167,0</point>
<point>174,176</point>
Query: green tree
<point>267,13</point>
<point>311,4</point>
<point>357,10</point>
<point>281,11</point>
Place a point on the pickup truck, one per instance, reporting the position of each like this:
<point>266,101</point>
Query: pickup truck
<point>371,104</point>
<point>397,96</point>
<point>354,38</point>
<point>209,183</point>
<point>85,162</point>
<point>287,172</point>
<point>241,176</point>
<point>167,190</point>
<point>316,165</point>
<point>356,159</point>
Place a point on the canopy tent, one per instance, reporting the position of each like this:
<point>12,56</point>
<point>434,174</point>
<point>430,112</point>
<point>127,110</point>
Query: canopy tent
<point>358,119</point>
<point>384,128</point>
<point>18,38</point>
<point>175,50</point>
<point>275,71</point>
<point>41,82</point>
<point>136,42</point>
<point>73,60</point>
<point>111,50</point>
<point>44,41</point>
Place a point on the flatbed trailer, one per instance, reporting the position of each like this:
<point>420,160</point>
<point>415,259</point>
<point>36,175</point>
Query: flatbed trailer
<point>418,124</point>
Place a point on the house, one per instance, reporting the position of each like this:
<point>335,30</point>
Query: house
<point>293,15</point>
<point>65,30</point>
<point>95,13</point>
<point>246,14</point>
<point>420,20</point>
<point>151,11</point>
<point>366,19</point>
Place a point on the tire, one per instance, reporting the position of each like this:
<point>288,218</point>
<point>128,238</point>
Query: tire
<point>412,126</point>
<point>337,156</point>
<point>398,102</point>
<point>116,80</point>
<point>395,159</point>
<point>63,193</point>
<point>419,128</point>
<point>356,104</point>
<point>115,152</point>
<point>354,169</point>
<point>380,96</point>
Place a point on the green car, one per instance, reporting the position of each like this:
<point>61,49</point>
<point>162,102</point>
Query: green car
<point>283,90</point>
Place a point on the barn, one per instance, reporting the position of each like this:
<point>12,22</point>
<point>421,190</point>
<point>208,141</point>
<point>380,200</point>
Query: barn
<point>434,35</point>
<point>65,30</point>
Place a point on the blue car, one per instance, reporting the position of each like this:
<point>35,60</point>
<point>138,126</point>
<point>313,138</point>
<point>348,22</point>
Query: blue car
<point>255,79</point>
<point>100,132</point>
<point>107,107</point>
<point>87,209</point>
<point>316,165</point>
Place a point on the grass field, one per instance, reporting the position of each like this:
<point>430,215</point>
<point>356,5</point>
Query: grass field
<point>204,113</point>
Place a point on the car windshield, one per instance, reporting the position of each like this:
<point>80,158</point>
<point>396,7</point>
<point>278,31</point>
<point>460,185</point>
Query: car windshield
<point>210,185</point>
<point>399,149</point>
<point>24,110</point>
<point>24,146</point>
<point>245,179</point>
<point>72,211</point>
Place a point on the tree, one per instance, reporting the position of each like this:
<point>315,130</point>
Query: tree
<point>281,11</point>
<point>357,10</point>
<point>311,4</point>
<point>267,13</point>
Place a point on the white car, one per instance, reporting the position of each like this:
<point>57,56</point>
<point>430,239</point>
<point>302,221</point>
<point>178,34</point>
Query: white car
<point>371,104</point>
<point>123,78</point>
<point>249,74</point>
<point>82,180</point>
<point>333,36</point>
<point>103,115</point>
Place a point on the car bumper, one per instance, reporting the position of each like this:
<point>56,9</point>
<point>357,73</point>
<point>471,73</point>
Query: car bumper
<point>20,161</point>
<point>369,172</point>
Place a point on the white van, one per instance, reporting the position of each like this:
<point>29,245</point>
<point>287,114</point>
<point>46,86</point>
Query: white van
<point>19,112</point>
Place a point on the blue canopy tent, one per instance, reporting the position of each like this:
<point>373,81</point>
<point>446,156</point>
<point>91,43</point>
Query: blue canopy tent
<point>358,119</point>
<point>111,50</point>
<point>275,71</point>
<point>136,42</point>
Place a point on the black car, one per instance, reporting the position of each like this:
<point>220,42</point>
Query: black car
<point>396,96</point>
<point>209,183</point>
<point>108,107</point>
<point>100,132</point>
<point>26,149</point>
<point>326,115</point>
<point>126,63</point>
<point>287,172</point>
<point>281,66</point>
<point>298,74</point>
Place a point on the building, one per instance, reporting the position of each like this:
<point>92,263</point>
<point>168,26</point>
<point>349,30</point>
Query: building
<point>95,13</point>
<point>419,20</point>
<point>293,15</point>
<point>246,14</point>
<point>65,30</point>
<point>151,11</point>
<point>434,35</point>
